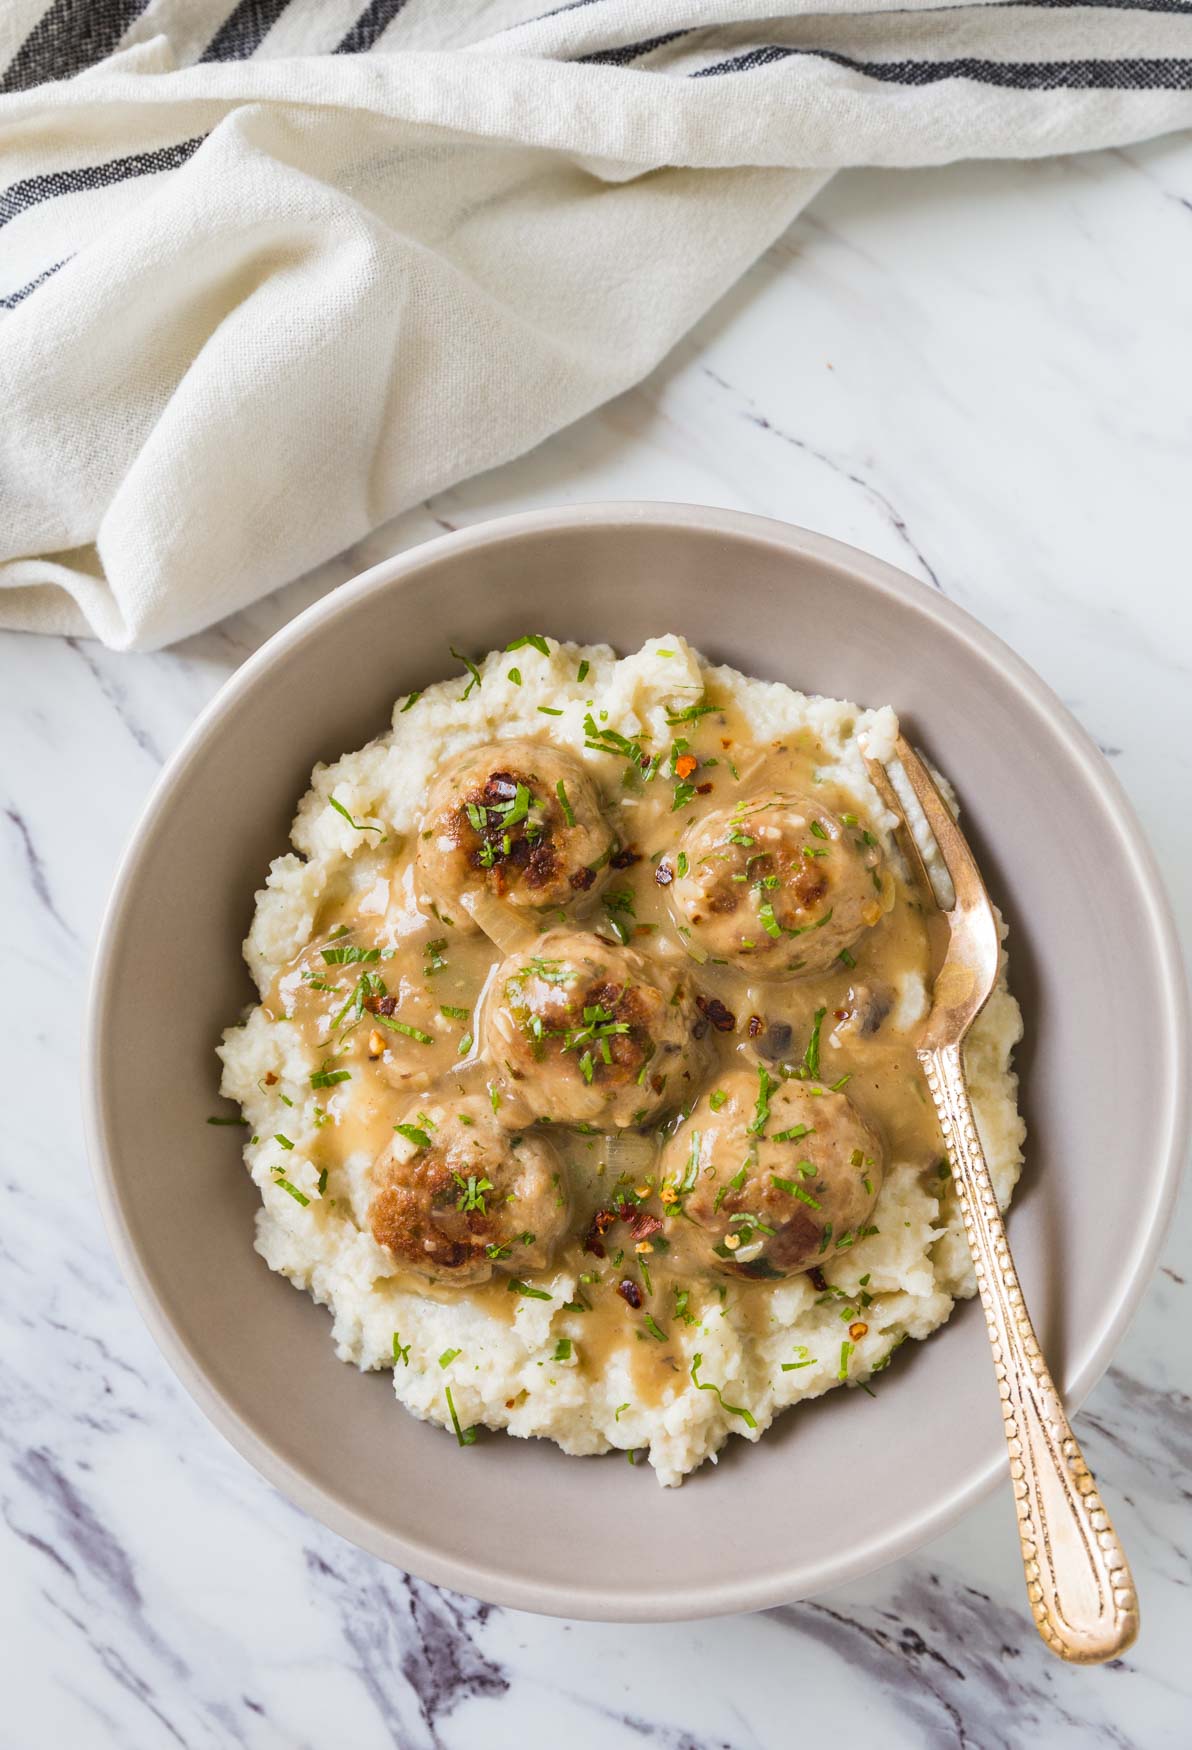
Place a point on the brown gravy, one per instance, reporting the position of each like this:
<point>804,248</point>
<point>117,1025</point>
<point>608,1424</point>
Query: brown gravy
<point>432,976</point>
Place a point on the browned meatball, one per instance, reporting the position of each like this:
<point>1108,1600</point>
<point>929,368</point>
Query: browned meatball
<point>457,1196</point>
<point>585,1032</point>
<point>516,820</point>
<point>777,1177</point>
<point>777,885</point>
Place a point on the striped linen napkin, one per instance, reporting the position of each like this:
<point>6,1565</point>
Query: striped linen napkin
<point>273,271</point>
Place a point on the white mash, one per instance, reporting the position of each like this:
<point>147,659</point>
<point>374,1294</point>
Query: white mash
<point>526,1365</point>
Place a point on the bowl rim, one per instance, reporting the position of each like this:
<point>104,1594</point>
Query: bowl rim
<point>792,1580</point>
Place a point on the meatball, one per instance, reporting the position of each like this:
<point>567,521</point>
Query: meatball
<point>457,1196</point>
<point>585,1032</point>
<point>777,885</point>
<point>780,1176</point>
<point>516,820</point>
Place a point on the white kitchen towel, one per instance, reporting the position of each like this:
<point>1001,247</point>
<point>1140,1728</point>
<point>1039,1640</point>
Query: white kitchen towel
<point>273,271</point>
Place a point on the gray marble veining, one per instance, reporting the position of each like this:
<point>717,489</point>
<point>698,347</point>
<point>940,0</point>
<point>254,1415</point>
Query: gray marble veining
<point>980,373</point>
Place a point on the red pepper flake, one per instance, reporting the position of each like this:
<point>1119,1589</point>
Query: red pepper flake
<point>685,765</point>
<point>703,789</point>
<point>599,1226</point>
<point>270,1079</point>
<point>721,1018</point>
<point>630,1293</point>
<point>641,1224</point>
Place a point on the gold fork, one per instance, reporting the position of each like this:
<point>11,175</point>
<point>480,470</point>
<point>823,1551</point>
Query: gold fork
<point>1078,1581</point>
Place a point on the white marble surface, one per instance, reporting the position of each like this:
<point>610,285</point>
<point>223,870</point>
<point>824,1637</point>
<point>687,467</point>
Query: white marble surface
<point>981,373</point>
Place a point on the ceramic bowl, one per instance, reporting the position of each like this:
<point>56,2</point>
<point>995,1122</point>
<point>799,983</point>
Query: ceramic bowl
<point>834,1488</point>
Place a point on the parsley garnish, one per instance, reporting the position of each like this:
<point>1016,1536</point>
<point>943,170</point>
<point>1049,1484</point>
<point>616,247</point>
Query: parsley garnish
<point>766,1086</point>
<point>515,1286</point>
<point>465,1436</point>
<point>404,1027</point>
<point>285,1185</point>
<point>476,680</point>
<point>327,1078</point>
<point>654,1329</point>
<point>401,1351</point>
<point>411,700</point>
<point>237,1121</point>
<point>358,825</point>
<point>746,1416</point>
<point>565,805</point>
<point>448,1356</point>
<point>350,956</point>
<point>810,1066</point>
<point>562,1350</point>
<point>412,1134</point>
<point>472,1191</point>
<point>534,638</point>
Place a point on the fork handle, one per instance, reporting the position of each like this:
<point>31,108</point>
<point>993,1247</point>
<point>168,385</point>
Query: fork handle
<point>1078,1581</point>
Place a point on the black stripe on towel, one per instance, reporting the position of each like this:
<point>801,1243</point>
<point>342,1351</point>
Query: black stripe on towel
<point>11,299</point>
<point>1138,73</point>
<point>372,21</point>
<point>33,189</point>
<point>243,30</point>
<point>628,51</point>
<point>70,35</point>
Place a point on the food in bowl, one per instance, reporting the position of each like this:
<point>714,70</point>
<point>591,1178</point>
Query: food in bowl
<point>582,1087</point>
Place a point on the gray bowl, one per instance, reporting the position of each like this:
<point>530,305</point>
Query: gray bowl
<point>1094,963</point>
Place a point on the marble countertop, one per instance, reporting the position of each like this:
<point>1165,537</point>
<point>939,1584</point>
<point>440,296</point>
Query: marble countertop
<point>980,373</point>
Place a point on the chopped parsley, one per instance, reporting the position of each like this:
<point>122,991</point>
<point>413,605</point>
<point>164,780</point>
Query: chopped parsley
<point>581,674</point>
<point>401,1351</point>
<point>284,1140</point>
<point>476,680</point>
<point>562,1350</point>
<point>795,1134</point>
<point>515,676</point>
<point>766,1086</point>
<point>817,830</point>
<point>550,710</point>
<point>515,1286</point>
<point>404,1027</point>
<point>804,1360</point>
<point>435,961</point>
<point>453,1014</point>
<point>465,1436</point>
<point>534,638</point>
<point>327,1078</point>
<point>846,1350</point>
<point>846,959</point>
<point>285,1185</point>
<point>359,826</point>
<point>238,1121</point>
<point>412,699</point>
<point>681,863</point>
<point>564,804</point>
<point>350,956</point>
<point>654,1328</point>
<point>810,1066</point>
<point>448,1356</point>
<point>746,1416</point>
<point>471,1193</point>
<point>717,1099</point>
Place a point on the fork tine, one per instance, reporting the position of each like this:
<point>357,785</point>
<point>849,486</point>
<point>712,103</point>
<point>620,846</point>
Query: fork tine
<point>959,861</point>
<point>880,779</point>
